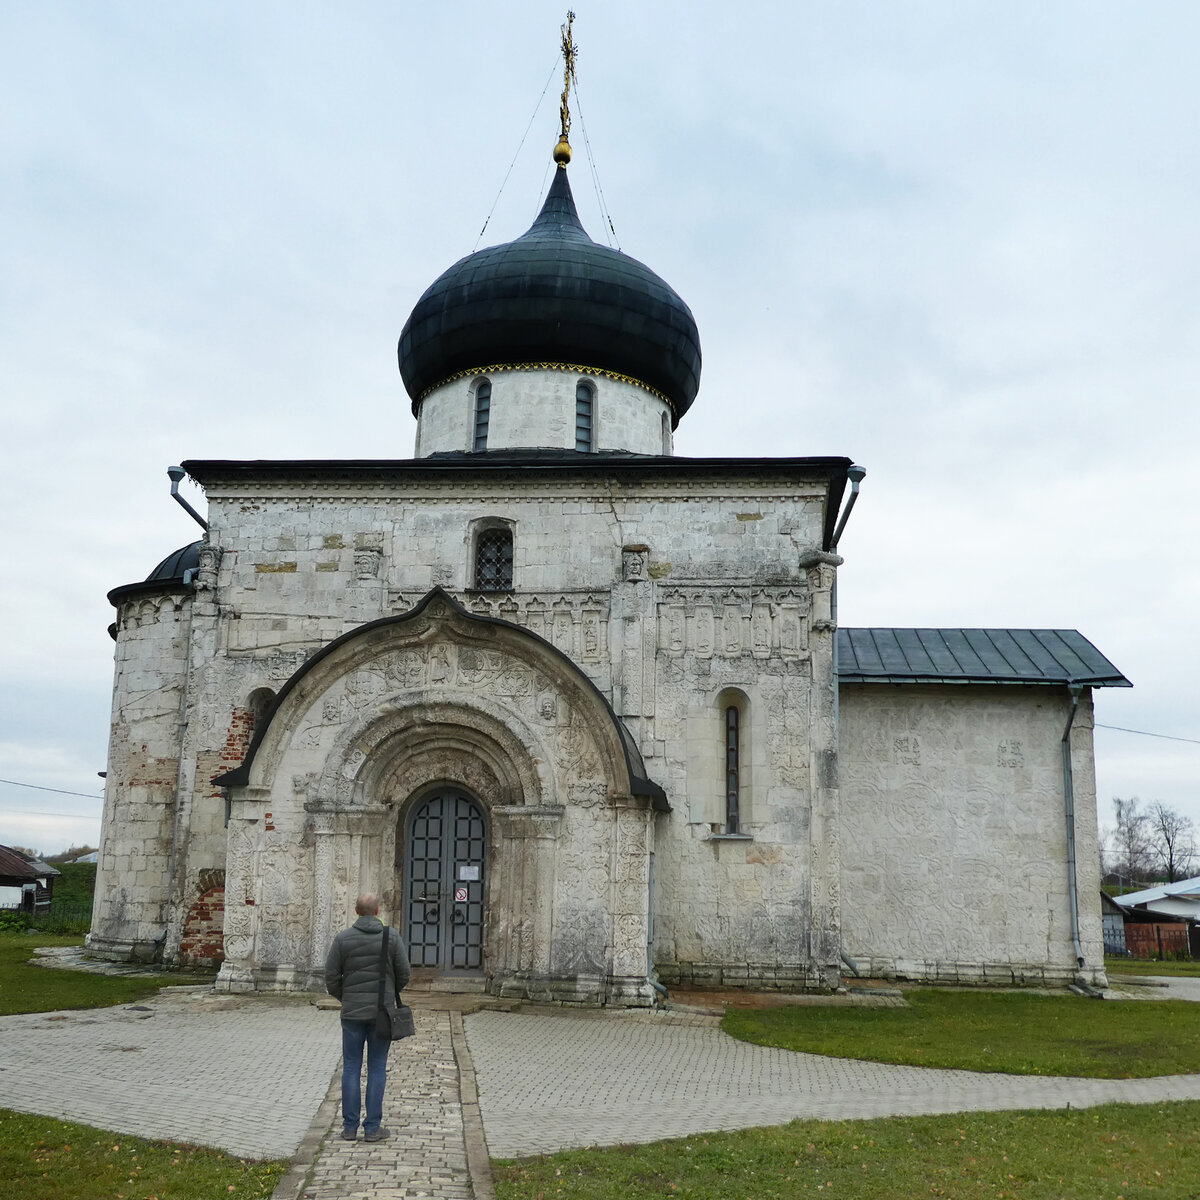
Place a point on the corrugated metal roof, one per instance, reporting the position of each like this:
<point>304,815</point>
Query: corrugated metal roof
<point>16,867</point>
<point>1184,889</point>
<point>1033,656</point>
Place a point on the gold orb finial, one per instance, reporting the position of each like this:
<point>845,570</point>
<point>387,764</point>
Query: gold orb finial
<point>562,151</point>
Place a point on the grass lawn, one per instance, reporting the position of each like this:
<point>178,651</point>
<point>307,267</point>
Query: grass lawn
<point>1115,1152</point>
<point>25,988</point>
<point>44,1159</point>
<point>1150,966</point>
<point>1014,1032</point>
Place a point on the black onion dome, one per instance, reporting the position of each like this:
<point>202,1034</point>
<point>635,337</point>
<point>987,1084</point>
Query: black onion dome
<point>553,296</point>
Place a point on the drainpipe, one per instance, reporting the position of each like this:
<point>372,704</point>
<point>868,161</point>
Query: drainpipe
<point>175,474</point>
<point>1069,799</point>
<point>856,475</point>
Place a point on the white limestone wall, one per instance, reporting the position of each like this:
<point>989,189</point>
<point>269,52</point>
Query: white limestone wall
<point>137,842</point>
<point>954,854</point>
<point>759,908</point>
<point>665,594</point>
<point>536,408</point>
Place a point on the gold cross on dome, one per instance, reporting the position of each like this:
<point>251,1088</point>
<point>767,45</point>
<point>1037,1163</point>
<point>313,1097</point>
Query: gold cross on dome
<point>562,152</point>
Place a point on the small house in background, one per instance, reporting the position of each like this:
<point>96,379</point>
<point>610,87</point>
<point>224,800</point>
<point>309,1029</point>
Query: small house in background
<point>1114,925</point>
<point>25,883</point>
<point>1162,920</point>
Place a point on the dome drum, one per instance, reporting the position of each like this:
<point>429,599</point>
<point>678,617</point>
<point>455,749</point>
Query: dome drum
<point>540,402</point>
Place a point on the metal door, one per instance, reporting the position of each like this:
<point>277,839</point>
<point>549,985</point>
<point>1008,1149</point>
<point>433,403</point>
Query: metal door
<point>443,883</point>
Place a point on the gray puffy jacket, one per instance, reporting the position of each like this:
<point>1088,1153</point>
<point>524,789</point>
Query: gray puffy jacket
<point>352,969</point>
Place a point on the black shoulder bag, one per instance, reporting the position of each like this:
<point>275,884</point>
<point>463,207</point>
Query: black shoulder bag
<point>391,1025</point>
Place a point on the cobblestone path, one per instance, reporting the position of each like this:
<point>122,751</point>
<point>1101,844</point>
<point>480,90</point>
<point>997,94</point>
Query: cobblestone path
<point>426,1154</point>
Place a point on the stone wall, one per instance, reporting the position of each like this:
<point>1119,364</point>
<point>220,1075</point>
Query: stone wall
<point>138,834</point>
<point>666,595</point>
<point>954,855</point>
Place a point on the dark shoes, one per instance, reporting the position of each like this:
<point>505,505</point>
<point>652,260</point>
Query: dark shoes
<point>349,1135</point>
<point>378,1135</point>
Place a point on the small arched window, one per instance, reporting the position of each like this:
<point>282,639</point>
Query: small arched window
<point>585,397</point>
<point>483,408</point>
<point>733,768</point>
<point>666,434</point>
<point>494,560</point>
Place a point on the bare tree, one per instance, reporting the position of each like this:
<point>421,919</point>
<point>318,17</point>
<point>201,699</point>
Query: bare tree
<point>1129,848</point>
<point>1173,840</point>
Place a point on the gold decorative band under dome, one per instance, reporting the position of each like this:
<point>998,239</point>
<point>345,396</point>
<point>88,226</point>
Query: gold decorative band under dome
<point>573,368</point>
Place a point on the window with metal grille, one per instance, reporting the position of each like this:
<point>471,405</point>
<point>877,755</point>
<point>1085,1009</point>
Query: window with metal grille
<point>583,416</point>
<point>483,408</point>
<point>494,560</point>
<point>733,752</point>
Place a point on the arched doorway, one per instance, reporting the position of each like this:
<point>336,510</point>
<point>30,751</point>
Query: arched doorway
<point>445,849</point>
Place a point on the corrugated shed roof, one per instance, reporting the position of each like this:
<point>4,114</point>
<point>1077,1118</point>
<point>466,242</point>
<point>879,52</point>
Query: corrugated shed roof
<point>1031,656</point>
<point>14,866</point>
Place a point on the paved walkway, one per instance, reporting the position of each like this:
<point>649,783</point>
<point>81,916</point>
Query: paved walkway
<point>546,1083</point>
<point>186,1066</point>
<point>258,1076</point>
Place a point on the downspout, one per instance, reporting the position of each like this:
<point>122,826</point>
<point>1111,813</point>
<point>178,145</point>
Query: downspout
<point>175,474</point>
<point>1069,800</point>
<point>856,475</point>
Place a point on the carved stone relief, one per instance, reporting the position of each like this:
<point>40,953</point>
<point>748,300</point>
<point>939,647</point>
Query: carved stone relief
<point>759,622</point>
<point>633,563</point>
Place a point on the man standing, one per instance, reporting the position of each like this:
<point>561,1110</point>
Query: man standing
<point>352,975</point>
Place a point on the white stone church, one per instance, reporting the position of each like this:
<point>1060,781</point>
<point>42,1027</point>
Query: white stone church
<point>579,709</point>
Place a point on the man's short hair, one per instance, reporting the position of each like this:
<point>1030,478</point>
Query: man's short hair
<point>367,905</point>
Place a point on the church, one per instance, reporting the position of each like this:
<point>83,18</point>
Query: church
<point>577,708</point>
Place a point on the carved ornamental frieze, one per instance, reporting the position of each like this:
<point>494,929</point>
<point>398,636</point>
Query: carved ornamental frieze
<point>733,622</point>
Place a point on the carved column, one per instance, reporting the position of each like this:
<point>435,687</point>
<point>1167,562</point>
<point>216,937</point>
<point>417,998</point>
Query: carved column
<point>322,824</point>
<point>241,903</point>
<point>633,640</point>
<point>530,833</point>
<point>630,901</point>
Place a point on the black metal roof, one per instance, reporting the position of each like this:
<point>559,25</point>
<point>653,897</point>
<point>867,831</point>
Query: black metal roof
<point>1032,656</point>
<point>553,296</point>
<point>166,577</point>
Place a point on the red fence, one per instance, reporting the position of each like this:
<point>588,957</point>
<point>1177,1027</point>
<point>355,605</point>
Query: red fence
<point>1156,939</point>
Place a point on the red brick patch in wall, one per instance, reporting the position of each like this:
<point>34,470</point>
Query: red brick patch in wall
<point>237,742</point>
<point>203,942</point>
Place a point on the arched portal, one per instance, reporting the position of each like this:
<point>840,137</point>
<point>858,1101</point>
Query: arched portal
<point>448,729</point>
<point>445,859</point>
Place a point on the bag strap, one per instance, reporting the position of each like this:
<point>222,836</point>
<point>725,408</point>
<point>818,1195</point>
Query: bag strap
<point>383,966</point>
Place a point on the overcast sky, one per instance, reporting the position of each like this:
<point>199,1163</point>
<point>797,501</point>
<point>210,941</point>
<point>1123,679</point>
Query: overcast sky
<point>954,241</point>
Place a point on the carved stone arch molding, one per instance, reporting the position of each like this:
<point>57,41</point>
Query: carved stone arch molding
<point>439,652</point>
<point>374,757</point>
<point>440,695</point>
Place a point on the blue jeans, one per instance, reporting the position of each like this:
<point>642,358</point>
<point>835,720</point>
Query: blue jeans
<point>356,1035</point>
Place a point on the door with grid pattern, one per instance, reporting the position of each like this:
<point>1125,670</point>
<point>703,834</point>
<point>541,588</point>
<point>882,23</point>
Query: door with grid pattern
<point>443,883</point>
